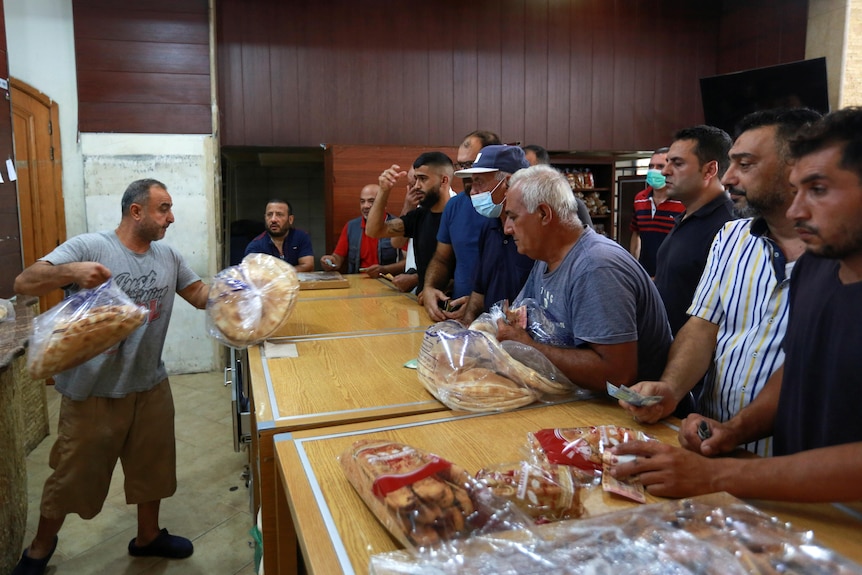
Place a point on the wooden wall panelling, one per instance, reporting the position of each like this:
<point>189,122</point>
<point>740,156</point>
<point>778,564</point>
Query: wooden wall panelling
<point>476,75</point>
<point>510,20</point>
<point>746,43</point>
<point>581,115</point>
<point>559,79</point>
<point>570,74</point>
<point>284,74</point>
<point>441,107</point>
<point>536,106</point>
<point>143,66</point>
<point>257,72</point>
<point>230,42</point>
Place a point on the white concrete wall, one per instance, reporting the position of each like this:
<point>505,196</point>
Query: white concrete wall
<point>41,47</point>
<point>98,167</point>
<point>184,164</point>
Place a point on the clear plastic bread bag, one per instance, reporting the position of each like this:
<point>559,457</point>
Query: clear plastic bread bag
<point>544,491</point>
<point>422,499</point>
<point>251,301</point>
<point>7,310</point>
<point>84,325</point>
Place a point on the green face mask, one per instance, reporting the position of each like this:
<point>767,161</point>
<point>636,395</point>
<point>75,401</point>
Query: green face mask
<point>655,179</point>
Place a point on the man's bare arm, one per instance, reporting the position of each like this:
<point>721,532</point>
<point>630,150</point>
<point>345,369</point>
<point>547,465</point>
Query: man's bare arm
<point>377,226</point>
<point>305,264</point>
<point>43,277</point>
<point>196,294</point>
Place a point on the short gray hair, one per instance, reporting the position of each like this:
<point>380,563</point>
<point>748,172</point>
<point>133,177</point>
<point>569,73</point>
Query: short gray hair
<point>542,184</point>
<point>138,192</point>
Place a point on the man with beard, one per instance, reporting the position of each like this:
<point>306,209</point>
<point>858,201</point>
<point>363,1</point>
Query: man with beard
<point>739,313</point>
<point>364,254</point>
<point>811,406</point>
<point>281,239</point>
<point>433,172</point>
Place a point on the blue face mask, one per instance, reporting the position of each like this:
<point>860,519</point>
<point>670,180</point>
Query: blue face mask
<point>484,204</point>
<point>655,179</point>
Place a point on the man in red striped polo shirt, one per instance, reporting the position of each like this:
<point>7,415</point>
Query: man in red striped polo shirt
<point>654,213</point>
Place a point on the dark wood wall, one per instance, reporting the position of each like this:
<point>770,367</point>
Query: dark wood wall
<point>143,66</point>
<point>11,263</point>
<point>568,74</point>
<point>758,33</point>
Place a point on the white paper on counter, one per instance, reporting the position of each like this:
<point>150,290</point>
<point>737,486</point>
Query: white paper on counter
<point>10,169</point>
<point>273,350</point>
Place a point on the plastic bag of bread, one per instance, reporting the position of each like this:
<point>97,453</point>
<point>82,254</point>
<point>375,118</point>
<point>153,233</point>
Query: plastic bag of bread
<point>470,370</point>
<point>545,492</point>
<point>249,302</point>
<point>7,310</point>
<point>79,328</point>
<point>527,314</point>
<point>588,450</point>
<point>421,498</point>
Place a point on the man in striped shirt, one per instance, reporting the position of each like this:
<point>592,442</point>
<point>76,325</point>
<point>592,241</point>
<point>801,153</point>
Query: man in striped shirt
<point>654,214</point>
<point>739,312</point>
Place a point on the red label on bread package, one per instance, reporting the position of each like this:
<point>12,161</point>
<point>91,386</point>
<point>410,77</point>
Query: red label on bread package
<point>582,447</point>
<point>395,458</point>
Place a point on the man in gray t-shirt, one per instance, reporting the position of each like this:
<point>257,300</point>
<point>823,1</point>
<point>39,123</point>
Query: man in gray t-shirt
<point>599,297</point>
<point>118,405</point>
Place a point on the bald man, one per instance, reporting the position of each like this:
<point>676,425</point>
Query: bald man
<point>363,253</point>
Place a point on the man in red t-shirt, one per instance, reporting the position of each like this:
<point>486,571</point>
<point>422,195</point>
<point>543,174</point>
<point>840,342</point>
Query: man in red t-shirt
<point>654,214</point>
<point>365,254</point>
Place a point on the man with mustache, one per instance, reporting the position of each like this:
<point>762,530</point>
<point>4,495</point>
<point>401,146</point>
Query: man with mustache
<point>739,312</point>
<point>811,406</point>
<point>369,255</point>
<point>281,239</point>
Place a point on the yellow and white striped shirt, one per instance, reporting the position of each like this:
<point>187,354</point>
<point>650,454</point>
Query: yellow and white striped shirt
<point>745,291</point>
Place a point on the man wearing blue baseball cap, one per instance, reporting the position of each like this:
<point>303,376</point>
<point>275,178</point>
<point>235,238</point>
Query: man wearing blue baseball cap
<point>458,240</point>
<point>500,270</point>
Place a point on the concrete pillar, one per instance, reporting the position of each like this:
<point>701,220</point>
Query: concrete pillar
<point>835,31</point>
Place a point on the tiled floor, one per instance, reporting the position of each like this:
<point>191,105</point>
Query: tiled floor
<point>211,505</point>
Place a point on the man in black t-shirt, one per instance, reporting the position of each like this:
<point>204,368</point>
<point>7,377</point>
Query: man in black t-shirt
<point>433,172</point>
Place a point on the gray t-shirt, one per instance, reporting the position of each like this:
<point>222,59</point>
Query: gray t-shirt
<point>600,294</point>
<point>150,279</point>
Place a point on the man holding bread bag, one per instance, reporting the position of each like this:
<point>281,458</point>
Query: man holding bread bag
<point>118,405</point>
<point>598,297</point>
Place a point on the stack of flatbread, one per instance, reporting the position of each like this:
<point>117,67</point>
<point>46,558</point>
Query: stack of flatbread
<point>249,302</point>
<point>61,341</point>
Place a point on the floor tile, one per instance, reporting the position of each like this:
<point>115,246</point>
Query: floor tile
<point>211,505</point>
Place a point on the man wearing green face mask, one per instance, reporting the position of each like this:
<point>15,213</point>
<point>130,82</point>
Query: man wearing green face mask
<point>653,215</point>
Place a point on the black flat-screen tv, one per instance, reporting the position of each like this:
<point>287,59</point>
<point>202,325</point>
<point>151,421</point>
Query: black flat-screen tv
<point>728,97</point>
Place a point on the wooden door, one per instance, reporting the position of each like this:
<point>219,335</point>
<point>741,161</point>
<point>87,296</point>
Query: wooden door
<point>36,133</point>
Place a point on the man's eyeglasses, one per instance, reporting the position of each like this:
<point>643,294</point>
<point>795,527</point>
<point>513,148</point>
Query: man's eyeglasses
<point>463,165</point>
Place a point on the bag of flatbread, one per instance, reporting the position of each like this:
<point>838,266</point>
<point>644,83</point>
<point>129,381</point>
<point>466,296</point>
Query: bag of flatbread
<point>421,498</point>
<point>79,328</point>
<point>251,301</point>
<point>468,369</point>
<point>526,314</point>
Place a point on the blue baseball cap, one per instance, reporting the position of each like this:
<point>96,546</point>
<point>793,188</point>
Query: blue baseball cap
<point>503,158</point>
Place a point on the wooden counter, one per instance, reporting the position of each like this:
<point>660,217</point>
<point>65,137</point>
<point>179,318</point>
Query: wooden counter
<point>338,534</point>
<point>332,379</point>
<point>359,285</point>
<point>323,316</point>
<point>336,531</point>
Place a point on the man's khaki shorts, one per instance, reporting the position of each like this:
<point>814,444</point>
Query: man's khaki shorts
<point>92,434</point>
